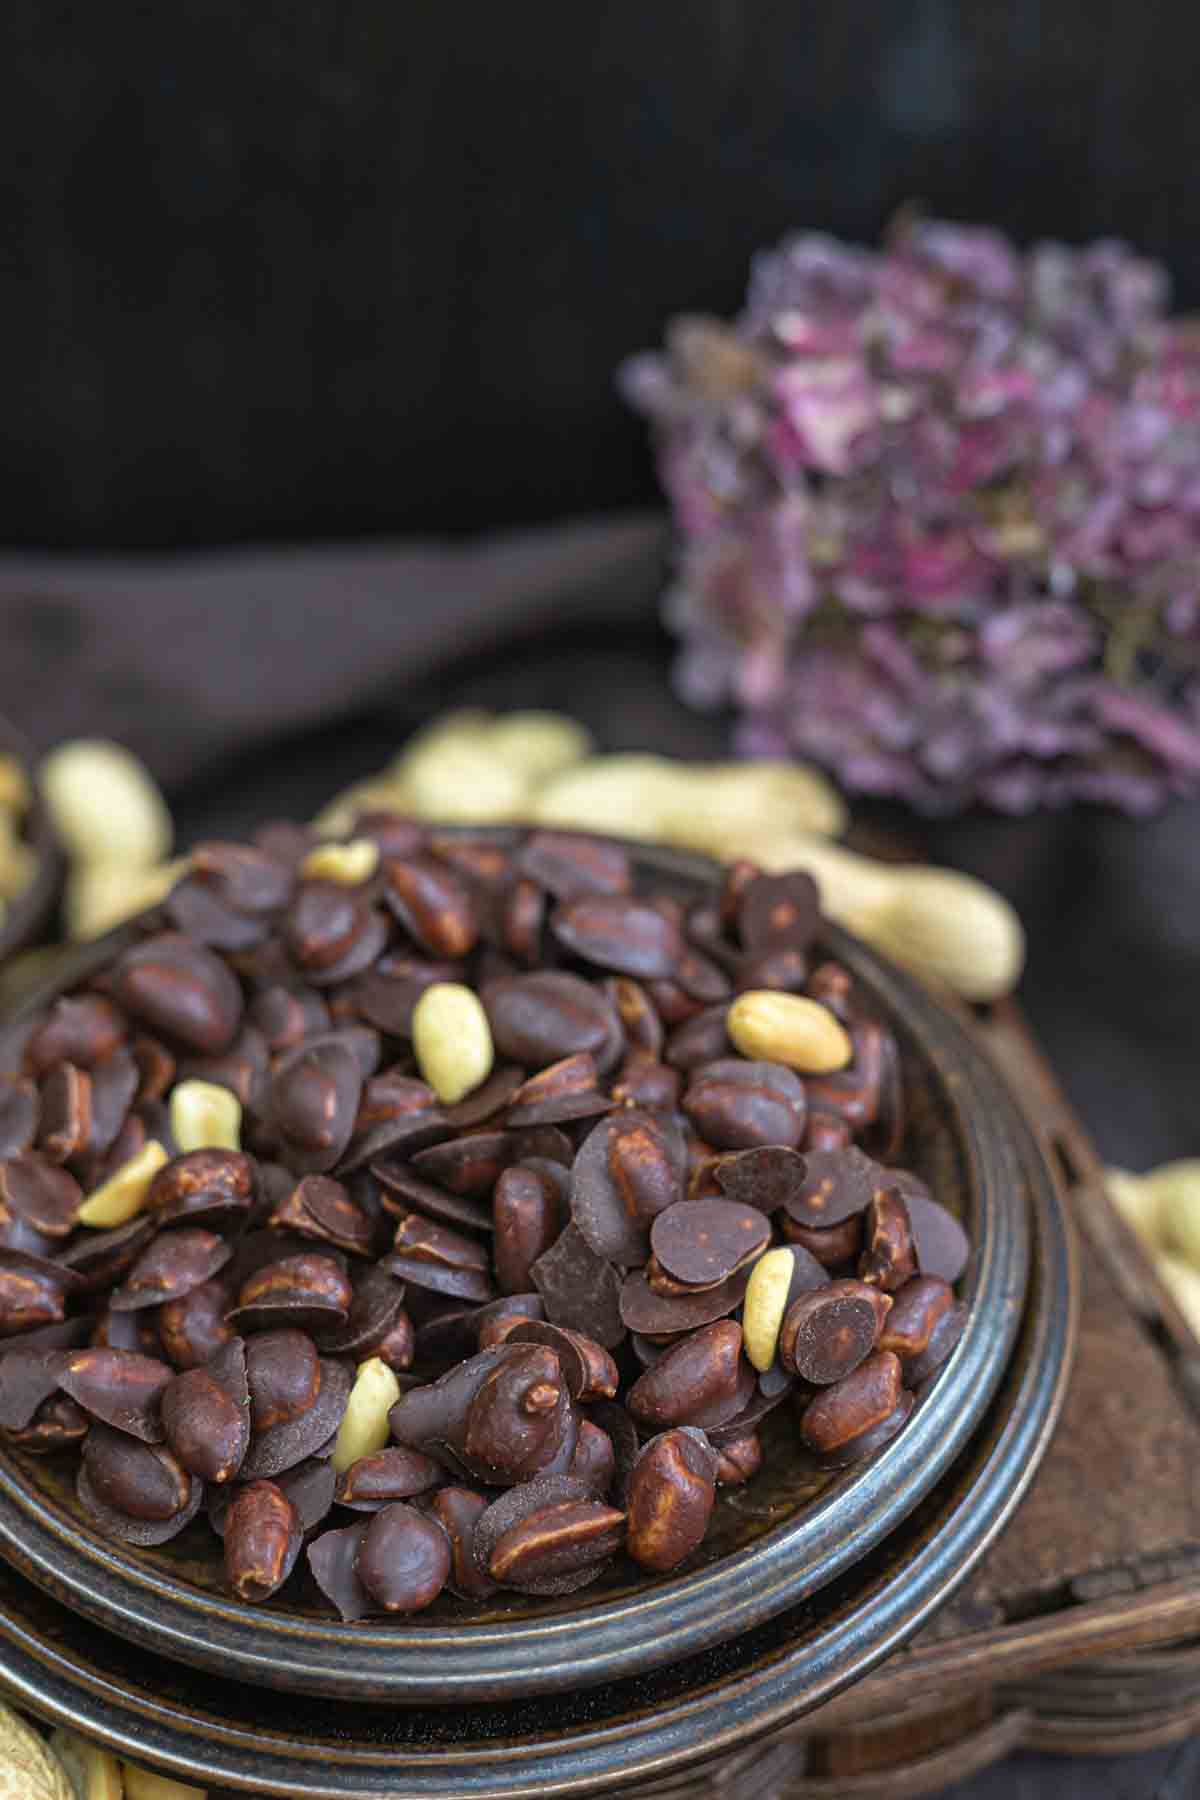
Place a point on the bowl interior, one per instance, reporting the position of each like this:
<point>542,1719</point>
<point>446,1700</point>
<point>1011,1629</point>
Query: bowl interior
<point>785,1535</point>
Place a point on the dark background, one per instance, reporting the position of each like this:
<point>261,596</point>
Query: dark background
<point>277,270</point>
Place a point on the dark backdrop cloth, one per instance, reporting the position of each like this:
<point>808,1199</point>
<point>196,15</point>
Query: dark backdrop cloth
<point>258,684</point>
<point>355,266</point>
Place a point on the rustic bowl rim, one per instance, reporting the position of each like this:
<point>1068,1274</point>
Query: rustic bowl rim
<point>608,1639</point>
<point>29,914</point>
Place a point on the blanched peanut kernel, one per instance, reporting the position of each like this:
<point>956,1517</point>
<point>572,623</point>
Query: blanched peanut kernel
<point>348,864</point>
<point>95,1773</point>
<point>140,1784</point>
<point>205,1116</point>
<point>452,1040</point>
<point>765,1305</point>
<point>364,1426</point>
<point>105,804</point>
<point>767,1026</point>
<point>123,1195</point>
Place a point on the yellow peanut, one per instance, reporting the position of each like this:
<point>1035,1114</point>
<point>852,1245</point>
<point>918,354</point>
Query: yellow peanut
<point>124,1194</point>
<point>768,1026</point>
<point>95,1773</point>
<point>105,804</point>
<point>452,1040</point>
<point>348,864</point>
<point>364,1426</point>
<point>205,1116</point>
<point>765,1304</point>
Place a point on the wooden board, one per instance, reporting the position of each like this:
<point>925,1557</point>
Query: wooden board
<point>1074,1633</point>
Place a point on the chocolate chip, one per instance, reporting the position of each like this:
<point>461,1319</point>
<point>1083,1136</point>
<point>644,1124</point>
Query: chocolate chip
<point>436,1202</point>
<point>832,1245</point>
<point>766,1177</point>
<point>580,1289</point>
<point>27,1378</point>
<point>281,1447</point>
<point>702,1242</point>
<point>320,1208</point>
<point>376,1304</point>
<point>630,1169</point>
<point>47,1197</point>
<point>433,1256</point>
<point>779,911</point>
<point>469,1165</point>
<point>662,1315</point>
<point>837,1184</point>
<point>941,1243</point>
<point>310,1486</point>
<point>119,1387</point>
<point>174,1264</point>
<point>333,1559</point>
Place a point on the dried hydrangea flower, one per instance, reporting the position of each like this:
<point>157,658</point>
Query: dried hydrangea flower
<point>939,517</point>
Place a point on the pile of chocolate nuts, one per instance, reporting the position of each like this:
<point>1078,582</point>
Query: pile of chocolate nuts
<point>448,1209</point>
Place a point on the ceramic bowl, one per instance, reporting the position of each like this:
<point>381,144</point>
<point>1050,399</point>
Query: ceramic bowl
<point>771,1547</point>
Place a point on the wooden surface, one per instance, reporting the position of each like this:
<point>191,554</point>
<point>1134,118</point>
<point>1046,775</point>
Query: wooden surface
<point>1078,1633</point>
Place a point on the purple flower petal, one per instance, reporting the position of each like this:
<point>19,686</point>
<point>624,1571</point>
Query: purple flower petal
<point>917,491</point>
